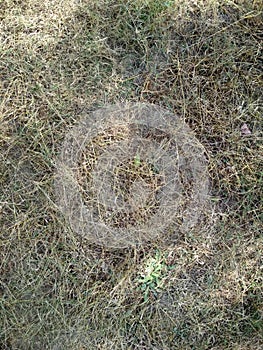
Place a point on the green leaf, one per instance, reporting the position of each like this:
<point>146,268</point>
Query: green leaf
<point>137,160</point>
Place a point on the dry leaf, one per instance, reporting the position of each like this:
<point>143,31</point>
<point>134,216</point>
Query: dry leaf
<point>245,131</point>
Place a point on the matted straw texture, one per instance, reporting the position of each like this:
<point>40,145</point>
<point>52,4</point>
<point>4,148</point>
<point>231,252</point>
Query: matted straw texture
<point>131,173</point>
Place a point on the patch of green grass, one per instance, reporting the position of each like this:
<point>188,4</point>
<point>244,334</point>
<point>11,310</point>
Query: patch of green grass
<point>201,60</point>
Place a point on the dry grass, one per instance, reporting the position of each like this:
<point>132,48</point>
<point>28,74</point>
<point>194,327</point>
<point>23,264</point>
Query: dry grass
<point>147,178</point>
<point>200,59</point>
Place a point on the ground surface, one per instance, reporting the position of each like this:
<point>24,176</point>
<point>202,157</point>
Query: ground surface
<point>199,59</point>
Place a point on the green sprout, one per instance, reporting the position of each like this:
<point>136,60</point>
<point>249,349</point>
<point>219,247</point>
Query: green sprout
<point>137,160</point>
<point>152,278</point>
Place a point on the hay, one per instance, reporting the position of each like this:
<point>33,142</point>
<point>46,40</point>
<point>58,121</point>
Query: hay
<point>129,174</point>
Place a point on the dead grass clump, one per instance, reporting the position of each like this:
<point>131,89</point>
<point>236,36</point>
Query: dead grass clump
<point>141,183</point>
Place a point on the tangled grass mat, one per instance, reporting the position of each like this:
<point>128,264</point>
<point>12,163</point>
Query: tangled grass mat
<point>131,173</point>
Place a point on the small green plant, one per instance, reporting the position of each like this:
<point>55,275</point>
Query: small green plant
<point>151,279</point>
<point>137,160</point>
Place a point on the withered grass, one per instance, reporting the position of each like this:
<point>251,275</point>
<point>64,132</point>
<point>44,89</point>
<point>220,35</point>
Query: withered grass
<point>203,61</point>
